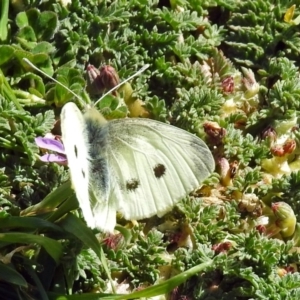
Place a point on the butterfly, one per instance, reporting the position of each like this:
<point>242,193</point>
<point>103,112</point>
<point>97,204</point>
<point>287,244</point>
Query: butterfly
<point>139,167</point>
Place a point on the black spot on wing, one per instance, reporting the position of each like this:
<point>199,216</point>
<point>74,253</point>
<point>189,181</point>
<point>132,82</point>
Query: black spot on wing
<point>83,173</point>
<point>159,170</point>
<point>76,151</point>
<point>132,184</point>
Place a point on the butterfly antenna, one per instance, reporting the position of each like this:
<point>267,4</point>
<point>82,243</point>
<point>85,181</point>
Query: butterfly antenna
<point>124,81</point>
<point>42,72</point>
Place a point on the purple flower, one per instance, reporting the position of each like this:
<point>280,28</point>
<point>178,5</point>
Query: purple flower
<point>52,145</point>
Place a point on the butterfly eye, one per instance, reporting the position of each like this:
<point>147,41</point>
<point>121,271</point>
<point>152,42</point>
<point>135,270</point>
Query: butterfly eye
<point>159,170</point>
<point>132,184</point>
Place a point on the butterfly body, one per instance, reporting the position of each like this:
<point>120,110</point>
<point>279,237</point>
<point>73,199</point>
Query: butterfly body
<point>139,167</point>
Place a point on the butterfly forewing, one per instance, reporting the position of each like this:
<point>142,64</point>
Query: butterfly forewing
<point>83,137</point>
<point>76,146</point>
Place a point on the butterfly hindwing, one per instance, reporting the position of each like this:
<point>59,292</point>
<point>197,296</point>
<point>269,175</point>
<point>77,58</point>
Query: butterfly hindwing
<point>153,165</point>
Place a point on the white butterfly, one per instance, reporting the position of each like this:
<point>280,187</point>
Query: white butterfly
<point>139,167</point>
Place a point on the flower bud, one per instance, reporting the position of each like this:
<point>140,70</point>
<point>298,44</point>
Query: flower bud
<point>250,84</point>
<point>269,134</point>
<point>222,247</point>
<point>101,80</point>
<point>109,78</point>
<point>277,150</point>
<point>224,171</point>
<point>285,218</point>
<point>228,85</point>
<point>94,86</point>
<point>287,148</point>
<point>114,241</point>
<point>214,131</point>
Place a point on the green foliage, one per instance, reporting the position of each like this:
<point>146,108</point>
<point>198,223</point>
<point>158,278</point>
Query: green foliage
<point>142,258</point>
<point>192,107</point>
<point>241,146</point>
<point>257,270</point>
<point>256,32</point>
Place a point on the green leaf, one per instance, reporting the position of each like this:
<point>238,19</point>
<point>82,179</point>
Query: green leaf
<point>43,47</point>
<point>35,25</point>
<point>52,200</point>
<point>47,25</point>
<point>9,274</point>
<point>22,19</point>
<point>4,20</point>
<point>6,53</point>
<point>27,34</point>
<point>53,247</point>
<point>7,92</point>
<point>27,222</point>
